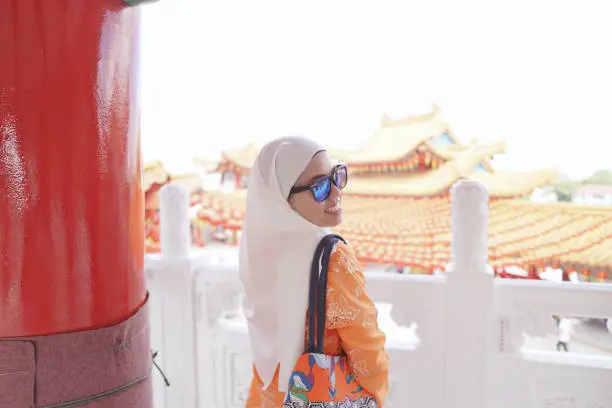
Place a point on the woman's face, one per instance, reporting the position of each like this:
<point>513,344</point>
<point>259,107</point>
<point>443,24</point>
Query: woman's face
<point>326,214</point>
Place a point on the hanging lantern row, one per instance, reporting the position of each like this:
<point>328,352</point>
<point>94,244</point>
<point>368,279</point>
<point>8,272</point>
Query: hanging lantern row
<point>372,253</point>
<point>587,273</point>
<point>415,162</point>
<point>153,239</point>
<point>152,247</point>
<point>217,212</point>
<point>152,235</point>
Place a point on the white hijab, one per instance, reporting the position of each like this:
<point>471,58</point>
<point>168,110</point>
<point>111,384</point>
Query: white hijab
<point>276,250</point>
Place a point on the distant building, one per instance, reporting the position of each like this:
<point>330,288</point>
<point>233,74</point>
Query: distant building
<point>544,194</point>
<point>594,194</point>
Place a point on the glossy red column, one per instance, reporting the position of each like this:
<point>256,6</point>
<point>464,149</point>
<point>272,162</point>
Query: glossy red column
<point>71,202</point>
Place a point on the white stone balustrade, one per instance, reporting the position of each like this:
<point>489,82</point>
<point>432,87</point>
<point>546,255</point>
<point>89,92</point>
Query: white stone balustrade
<point>469,352</point>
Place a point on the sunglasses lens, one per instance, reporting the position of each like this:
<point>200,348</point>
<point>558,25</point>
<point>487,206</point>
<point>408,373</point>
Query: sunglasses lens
<point>341,177</point>
<point>321,190</point>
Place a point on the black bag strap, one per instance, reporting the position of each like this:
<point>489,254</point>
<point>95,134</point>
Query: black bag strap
<point>317,294</point>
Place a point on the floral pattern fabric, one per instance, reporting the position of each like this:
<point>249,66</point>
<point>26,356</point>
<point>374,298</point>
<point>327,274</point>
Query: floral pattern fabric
<point>355,362</point>
<point>319,380</point>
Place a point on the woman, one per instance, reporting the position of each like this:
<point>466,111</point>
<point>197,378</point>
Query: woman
<point>294,196</point>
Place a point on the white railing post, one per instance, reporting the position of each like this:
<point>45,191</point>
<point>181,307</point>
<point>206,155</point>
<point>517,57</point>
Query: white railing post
<point>171,285</point>
<point>174,223</point>
<point>468,301</point>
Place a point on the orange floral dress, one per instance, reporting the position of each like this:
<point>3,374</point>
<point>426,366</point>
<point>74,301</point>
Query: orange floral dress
<point>351,328</point>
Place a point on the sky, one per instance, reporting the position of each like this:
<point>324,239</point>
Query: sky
<point>538,74</point>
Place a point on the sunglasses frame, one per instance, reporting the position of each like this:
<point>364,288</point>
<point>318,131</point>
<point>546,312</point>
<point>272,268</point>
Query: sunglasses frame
<point>330,177</point>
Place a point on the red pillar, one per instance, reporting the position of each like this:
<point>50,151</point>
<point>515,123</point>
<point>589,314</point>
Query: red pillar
<point>237,179</point>
<point>71,201</point>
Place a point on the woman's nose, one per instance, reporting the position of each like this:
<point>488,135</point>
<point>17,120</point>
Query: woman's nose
<point>335,193</point>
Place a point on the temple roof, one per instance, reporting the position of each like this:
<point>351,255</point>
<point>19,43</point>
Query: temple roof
<point>243,157</point>
<point>452,152</point>
<point>154,172</point>
<point>436,182</point>
<point>394,139</point>
<point>513,184</point>
<point>463,166</point>
<point>157,172</point>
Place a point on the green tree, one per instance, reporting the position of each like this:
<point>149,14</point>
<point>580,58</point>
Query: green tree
<point>599,177</point>
<point>565,189</point>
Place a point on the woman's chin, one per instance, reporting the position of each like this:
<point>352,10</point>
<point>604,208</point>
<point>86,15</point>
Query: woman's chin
<point>331,220</point>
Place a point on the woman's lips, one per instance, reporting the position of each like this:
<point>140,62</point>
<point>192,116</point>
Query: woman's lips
<point>336,209</point>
